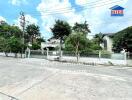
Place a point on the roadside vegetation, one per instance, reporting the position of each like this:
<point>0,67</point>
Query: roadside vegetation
<point>73,39</point>
<point>11,38</point>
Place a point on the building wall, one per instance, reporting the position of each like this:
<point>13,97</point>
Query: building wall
<point>52,43</point>
<point>109,43</point>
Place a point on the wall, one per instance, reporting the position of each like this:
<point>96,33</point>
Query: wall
<point>109,43</point>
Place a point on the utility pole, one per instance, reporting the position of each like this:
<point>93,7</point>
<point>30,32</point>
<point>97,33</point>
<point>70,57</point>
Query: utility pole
<point>22,24</point>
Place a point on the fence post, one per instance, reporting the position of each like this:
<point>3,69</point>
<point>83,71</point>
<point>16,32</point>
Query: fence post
<point>99,54</point>
<point>47,52</point>
<point>125,57</point>
<point>61,54</point>
<point>42,51</point>
<point>25,54</point>
<point>29,53</point>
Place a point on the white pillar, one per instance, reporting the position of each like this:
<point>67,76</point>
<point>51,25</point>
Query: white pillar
<point>42,50</point>
<point>47,52</point>
<point>29,53</point>
<point>99,54</point>
<point>61,54</point>
<point>125,57</point>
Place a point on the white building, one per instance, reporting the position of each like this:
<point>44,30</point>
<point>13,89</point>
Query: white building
<point>51,43</point>
<point>108,42</point>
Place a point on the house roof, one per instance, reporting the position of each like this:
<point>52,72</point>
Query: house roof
<point>117,7</point>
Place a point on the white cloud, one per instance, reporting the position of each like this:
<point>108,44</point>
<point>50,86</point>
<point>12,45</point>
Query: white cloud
<point>29,20</point>
<point>2,19</point>
<point>18,2</point>
<point>81,2</point>
<point>48,10</point>
<point>98,17</point>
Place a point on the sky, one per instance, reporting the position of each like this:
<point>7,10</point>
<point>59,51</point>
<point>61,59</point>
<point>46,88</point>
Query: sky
<point>97,13</point>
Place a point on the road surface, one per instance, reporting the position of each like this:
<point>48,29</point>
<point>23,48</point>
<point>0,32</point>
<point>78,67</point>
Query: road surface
<point>39,79</point>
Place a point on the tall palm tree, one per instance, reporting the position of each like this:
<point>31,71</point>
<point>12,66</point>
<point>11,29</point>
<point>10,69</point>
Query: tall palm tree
<point>99,38</point>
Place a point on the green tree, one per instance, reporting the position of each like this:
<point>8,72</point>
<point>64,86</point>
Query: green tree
<point>60,30</point>
<point>39,40</point>
<point>81,27</point>
<point>123,40</point>
<point>15,31</point>
<point>4,46</point>
<point>99,38</point>
<point>32,32</point>
<point>35,46</point>
<point>7,34</point>
<point>15,45</point>
<point>5,29</point>
<point>76,42</point>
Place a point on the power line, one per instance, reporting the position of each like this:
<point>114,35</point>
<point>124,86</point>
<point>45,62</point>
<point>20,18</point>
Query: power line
<point>70,8</point>
<point>84,5</point>
<point>67,11</point>
<point>74,7</point>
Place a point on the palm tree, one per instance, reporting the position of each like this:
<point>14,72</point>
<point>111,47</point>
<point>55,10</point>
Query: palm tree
<point>99,38</point>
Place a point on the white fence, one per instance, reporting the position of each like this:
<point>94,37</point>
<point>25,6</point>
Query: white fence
<point>96,58</point>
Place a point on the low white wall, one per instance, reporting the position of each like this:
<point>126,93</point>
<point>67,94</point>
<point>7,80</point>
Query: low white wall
<point>96,60</point>
<point>10,54</point>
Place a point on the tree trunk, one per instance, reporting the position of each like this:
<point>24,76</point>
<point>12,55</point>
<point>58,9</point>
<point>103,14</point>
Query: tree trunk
<point>77,53</point>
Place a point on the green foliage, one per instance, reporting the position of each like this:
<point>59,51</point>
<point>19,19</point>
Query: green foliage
<point>35,46</point>
<point>32,32</point>
<point>11,38</point>
<point>76,42</point>
<point>61,29</point>
<point>15,31</point>
<point>123,40</point>
<point>85,45</point>
<point>95,46</point>
<point>99,38</point>
<point>15,44</point>
<point>81,27</point>
<point>39,40</point>
<point>4,46</point>
<point>8,30</point>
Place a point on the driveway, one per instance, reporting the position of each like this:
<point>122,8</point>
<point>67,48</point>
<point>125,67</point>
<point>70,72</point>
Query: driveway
<point>38,79</point>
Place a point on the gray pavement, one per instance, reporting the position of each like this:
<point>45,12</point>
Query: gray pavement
<point>39,79</point>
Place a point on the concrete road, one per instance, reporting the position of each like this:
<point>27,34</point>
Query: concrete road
<point>37,79</point>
